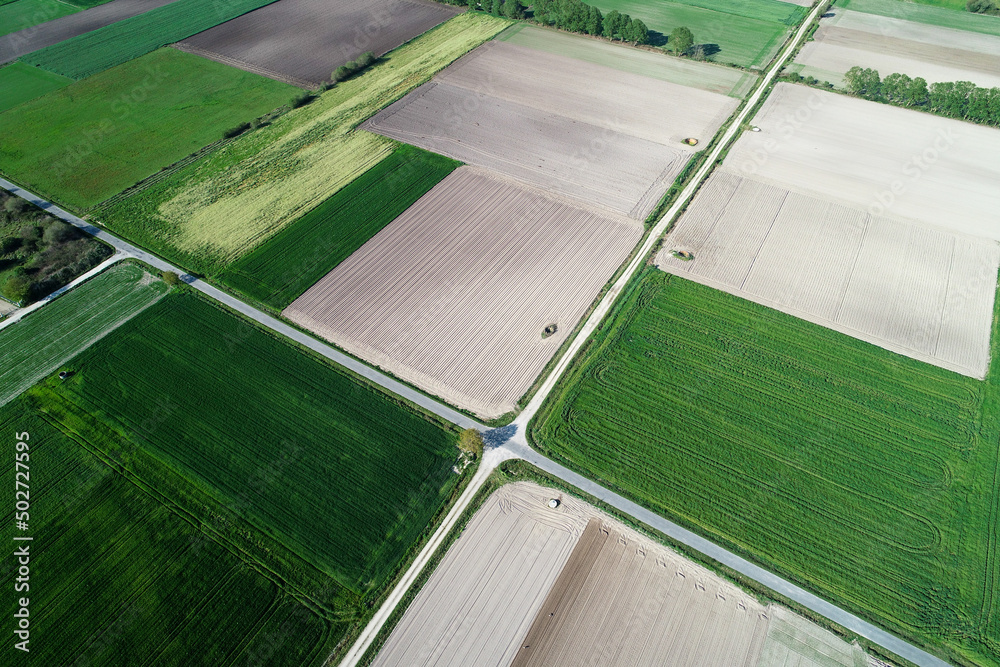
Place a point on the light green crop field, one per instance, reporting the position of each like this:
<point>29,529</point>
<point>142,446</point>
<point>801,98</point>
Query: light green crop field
<point>740,40</point>
<point>101,49</point>
<point>41,342</point>
<point>87,141</point>
<point>20,83</point>
<point>294,259</point>
<point>338,475</point>
<point>685,72</point>
<point>218,208</point>
<point>120,576</point>
<point>925,13</point>
<point>23,14</point>
<point>869,477</point>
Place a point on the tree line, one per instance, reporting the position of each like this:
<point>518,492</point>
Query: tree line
<point>963,100</point>
<point>576,16</point>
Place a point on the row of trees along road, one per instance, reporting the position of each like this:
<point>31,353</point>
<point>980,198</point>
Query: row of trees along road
<point>576,16</point>
<point>963,100</point>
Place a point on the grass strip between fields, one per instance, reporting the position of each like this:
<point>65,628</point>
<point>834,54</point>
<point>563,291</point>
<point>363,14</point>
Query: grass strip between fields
<point>294,259</point>
<point>101,49</point>
<point>868,476</point>
<point>215,210</point>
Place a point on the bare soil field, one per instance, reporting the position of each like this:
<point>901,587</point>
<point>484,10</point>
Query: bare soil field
<point>484,594</point>
<point>528,584</point>
<point>301,42</point>
<point>917,290</point>
<point>454,295</point>
<point>792,641</point>
<point>882,159</point>
<point>895,45</point>
<point>623,600</point>
<point>17,44</point>
<point>707,76</point>
<point>603,136</point>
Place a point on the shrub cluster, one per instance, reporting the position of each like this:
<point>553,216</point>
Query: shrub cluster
<point>39,253</point>
<point>352,67</point>
<point>983,7</point>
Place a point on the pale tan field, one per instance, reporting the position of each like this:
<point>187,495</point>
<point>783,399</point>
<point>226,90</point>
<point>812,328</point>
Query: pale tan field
<point>453,296</point>
<point>597,134</point>
<point>895,45</point>
<point>481,599</point>
<point>526,584</point>
<point>910,288</point>
<point>623,600</point>
<point>882,159</point>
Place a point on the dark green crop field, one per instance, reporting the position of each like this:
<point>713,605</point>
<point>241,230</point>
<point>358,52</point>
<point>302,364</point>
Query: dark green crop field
<point>119,578</point>
<point>336,473</point>
<point>21,83</point>
<point>867,476</point>
<point>85,142</point>
<point>101,49</point>
<point>285,266</point>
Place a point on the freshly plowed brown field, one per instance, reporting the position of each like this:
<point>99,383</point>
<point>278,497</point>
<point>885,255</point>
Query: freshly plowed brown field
<point>454,295</point>
<point>528,584</point>
<point>597,134</point>
<point>302,41</point>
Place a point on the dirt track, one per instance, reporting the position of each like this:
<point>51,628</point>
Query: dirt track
<point>453,296</point>
<point>31,39</point>
<point>302,41</point>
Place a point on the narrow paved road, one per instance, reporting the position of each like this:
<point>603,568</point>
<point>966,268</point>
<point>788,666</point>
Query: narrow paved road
<point>126,249</point>
<point>510,441</point>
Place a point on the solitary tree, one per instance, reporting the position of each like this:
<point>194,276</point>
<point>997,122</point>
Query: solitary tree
<point>470,441</point>
<point>170,278</point>
<point>681,40</point>
<point>638,33</point>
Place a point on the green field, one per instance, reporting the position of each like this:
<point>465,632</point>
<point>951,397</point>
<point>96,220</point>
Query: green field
<point>41,342</point>
<point>740,40</point>
<point>21,83</point>
<point>23,14</point>
<point>682,71</point>
<point>90,140</point>
<point>335,473</point>
<point>221,206</point>
<point>101,49</point>
<point>118,577</point>
<point>296,258</point>
<point>869,477</point>
<point>924,13</point>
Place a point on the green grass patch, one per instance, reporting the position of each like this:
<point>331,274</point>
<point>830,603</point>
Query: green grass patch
<point>761,10</point>
<point>297,257</point>
<point>41,342</point>
<point>214,210</point>
<point>101,49</point>
<point>120,577</point>
<point>16,16</point>
<point>925,13</point>
<point>731,38</point>
<point>682,71</point>
<point>338,474</point>
<point>869,477</point>
<point>90,140</point>
<point>20,83</point>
